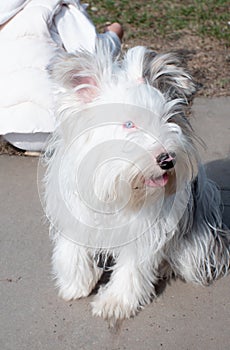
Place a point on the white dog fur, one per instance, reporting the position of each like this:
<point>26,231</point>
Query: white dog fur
<point>171,222</point>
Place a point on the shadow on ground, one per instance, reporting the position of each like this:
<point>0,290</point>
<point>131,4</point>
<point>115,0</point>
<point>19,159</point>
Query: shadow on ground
<point>219,171</point>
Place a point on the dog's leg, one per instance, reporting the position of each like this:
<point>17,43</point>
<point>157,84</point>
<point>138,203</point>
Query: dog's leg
<point>131,286</point>
<point>75,271</point>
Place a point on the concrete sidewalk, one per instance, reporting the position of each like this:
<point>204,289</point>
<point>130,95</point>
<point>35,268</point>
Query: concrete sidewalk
<point>32,317</point>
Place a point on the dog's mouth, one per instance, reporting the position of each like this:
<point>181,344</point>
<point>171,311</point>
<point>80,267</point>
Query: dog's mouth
<point>159,181</point>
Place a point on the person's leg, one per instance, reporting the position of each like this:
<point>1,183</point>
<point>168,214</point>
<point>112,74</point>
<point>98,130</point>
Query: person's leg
<point>112,37</point>
<point>115,28</point>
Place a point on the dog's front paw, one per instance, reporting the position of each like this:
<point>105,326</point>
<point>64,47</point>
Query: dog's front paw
<point>114,308</point>
<point>79,286</point>
<point>75,271</point>
<point>73,291</point>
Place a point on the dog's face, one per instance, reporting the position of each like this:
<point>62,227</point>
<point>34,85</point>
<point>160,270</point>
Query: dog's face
<point>123,130</point>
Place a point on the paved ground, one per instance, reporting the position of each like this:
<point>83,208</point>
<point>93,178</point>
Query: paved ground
<point>32,317</point>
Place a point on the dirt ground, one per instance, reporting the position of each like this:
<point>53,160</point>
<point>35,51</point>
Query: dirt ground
<point>207,59</point>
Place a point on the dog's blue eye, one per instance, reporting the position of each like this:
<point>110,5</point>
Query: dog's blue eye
<point>129,124</point>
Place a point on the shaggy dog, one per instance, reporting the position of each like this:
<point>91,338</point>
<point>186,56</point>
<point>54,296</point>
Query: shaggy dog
<point>124,180</point>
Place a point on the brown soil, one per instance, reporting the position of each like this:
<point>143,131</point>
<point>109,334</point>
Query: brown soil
<point>207,59</point>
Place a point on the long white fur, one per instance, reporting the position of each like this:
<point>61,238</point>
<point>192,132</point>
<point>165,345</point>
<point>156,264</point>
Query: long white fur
<point>193,246</point>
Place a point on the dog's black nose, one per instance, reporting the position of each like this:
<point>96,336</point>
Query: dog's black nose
<point>166,160</point>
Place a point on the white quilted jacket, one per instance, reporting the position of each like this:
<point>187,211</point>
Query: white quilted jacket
<point>32,32</point>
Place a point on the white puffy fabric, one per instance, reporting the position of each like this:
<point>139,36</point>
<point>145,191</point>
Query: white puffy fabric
<point>31,34</point>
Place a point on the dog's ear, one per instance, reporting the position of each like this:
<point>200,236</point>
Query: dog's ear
<point>76,73</point>
<point>164,72</point>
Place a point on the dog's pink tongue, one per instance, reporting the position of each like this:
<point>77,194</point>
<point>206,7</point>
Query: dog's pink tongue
<point>160,181</point>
